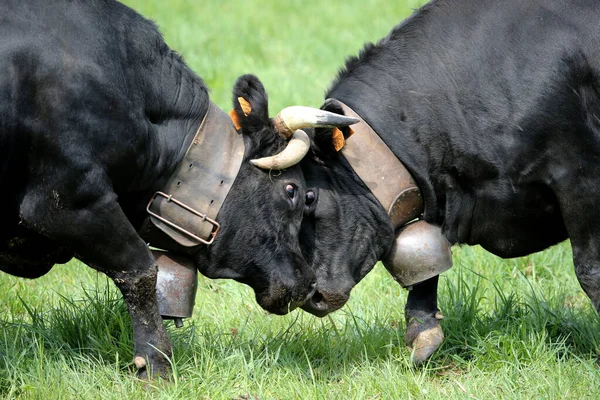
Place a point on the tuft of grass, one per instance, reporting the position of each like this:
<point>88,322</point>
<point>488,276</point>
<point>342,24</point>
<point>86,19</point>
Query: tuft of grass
<point>504,339</point>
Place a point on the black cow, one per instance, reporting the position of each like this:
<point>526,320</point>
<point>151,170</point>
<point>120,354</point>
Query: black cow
<point>96,113</point>
<point>494,108</point>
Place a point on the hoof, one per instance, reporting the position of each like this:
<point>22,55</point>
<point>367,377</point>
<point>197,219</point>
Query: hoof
<point>426,342</point>
<point>424,336</point>
<point>154,370</point>
<point>140,362</point>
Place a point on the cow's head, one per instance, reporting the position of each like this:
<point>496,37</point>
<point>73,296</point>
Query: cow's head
<point>260,219</point>
<point>345,229</point>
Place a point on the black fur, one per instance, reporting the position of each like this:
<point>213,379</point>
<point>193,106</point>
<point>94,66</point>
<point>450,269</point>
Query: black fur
<point>493,107</point>
<point>96,112</point>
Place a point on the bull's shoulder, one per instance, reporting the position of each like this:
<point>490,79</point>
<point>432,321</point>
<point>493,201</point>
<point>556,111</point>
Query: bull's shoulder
<point>84,87</point>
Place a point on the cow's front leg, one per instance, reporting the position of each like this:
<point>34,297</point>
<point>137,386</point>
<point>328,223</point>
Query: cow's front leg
<point>419,254</point>
<point>423,329</point>
<point>100,235</point>
<point>152,345</point>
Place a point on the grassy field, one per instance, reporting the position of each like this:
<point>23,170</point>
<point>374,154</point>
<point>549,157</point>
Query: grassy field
<point>516,329</point>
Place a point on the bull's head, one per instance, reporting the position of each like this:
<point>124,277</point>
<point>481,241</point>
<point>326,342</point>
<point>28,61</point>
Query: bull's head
<point>345,230</point>
<point>269,191</point>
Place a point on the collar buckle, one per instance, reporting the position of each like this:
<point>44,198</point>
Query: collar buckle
<point>204,218</point>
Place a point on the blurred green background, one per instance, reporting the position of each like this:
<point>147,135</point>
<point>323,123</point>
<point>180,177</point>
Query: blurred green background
<point>294,46</point>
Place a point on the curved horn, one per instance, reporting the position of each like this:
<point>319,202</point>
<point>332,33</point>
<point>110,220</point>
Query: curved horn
<point>299,117</point>
<point>292,154</point>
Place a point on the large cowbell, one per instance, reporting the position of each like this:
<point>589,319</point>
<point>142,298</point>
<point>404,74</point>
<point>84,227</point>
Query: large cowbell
<point>176,286</point>
<point>420,252</point>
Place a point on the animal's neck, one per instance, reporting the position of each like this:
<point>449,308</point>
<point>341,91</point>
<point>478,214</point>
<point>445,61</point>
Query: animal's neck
<point>390,85</point>
<point>180,92</point>
<point>388,179</point>
<point>175,103</point>
<point>391,118</point>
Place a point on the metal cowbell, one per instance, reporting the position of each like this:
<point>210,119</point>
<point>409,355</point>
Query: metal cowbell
<point>420,252</point>
<point>176,286</point>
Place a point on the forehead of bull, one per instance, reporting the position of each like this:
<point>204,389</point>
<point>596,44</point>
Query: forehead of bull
<point>186,209</point>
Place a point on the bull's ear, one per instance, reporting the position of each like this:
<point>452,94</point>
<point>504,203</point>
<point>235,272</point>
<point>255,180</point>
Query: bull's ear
<point>328,141</point>
<point>250,104</point>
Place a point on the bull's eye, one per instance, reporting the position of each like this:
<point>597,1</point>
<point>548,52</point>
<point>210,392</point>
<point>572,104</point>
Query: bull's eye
<point>291,191</point>
<point>310,197</point>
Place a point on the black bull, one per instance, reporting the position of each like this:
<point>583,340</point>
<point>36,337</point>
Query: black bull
<point>494,108</point>
<point>96,113</point>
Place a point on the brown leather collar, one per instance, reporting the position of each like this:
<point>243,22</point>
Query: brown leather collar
<point>186,209</point>
<point>382,172</point>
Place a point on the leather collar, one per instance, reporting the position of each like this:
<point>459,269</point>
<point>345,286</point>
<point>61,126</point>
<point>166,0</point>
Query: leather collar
<point>186,209</point>
<point>381,171</point>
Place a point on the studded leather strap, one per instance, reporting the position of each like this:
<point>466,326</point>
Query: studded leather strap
<point>201,182</point>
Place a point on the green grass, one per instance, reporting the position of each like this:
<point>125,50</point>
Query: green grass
<point>518,328</point>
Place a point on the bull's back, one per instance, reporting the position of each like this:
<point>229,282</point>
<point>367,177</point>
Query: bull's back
<point>67,94</point>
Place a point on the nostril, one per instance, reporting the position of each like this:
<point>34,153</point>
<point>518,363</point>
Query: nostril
<point>317,305</point>
<point>317,298</point>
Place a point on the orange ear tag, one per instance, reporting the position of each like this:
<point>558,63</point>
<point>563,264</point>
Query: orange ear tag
<point>338,140</point>
<point>236,120</point>
<point>246,107</point>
